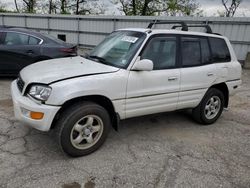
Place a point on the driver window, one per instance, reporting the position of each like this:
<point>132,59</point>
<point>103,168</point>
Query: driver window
<point>162,51</point>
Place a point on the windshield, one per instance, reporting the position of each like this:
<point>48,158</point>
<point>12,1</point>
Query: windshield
<point>118,48</point>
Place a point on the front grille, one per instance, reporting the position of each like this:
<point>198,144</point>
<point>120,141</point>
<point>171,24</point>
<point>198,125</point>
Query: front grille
<point>20,84</point>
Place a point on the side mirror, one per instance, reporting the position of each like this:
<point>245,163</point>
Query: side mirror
<point>143,65</point>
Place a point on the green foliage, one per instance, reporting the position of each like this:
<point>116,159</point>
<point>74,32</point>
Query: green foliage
<point>139,7</point>
<point>3,9</point>
<point>160,7</point>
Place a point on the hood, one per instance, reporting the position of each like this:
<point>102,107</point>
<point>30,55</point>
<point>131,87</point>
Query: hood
<point>63,68</point>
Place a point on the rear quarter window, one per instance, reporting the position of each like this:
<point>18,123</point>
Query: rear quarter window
<point>33,40</point>
<point>220,51</point>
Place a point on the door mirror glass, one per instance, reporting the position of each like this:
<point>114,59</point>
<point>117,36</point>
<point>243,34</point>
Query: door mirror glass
<point>143,65</point>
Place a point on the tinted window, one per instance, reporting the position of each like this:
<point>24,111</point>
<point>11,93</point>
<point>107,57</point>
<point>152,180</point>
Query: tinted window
<point>1,37</point>
<point>191,52</point>
<point>12,38</point>
<point>220,52</point>
<point>33,40</point>
<point>162,51</point>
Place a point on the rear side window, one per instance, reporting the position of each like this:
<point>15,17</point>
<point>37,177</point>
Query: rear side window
<point>33,40</point>
<point>220,52</point>
<point>12,38</point>
<point>191,51</point>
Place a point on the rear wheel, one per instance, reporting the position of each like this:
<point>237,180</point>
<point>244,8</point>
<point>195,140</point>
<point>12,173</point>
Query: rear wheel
<point>83,128</point>
<point>210,108</point>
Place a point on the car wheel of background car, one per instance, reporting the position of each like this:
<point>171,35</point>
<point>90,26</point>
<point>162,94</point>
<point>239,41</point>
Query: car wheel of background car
<point>82,128</point>
<point>210,108</point>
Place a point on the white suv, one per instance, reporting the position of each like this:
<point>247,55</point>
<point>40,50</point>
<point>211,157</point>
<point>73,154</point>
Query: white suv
<point>133,72</point>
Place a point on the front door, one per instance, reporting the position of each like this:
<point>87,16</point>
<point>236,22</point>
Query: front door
<point>157,90</point>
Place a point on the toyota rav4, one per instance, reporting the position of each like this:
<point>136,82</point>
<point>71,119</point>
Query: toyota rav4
<point>133,72</point>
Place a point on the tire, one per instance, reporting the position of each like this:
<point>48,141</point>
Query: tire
<point>82,128</point>
<point>210,108</point>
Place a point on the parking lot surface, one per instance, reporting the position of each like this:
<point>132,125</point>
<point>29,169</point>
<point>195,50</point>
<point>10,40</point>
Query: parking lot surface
<point>164,150</point>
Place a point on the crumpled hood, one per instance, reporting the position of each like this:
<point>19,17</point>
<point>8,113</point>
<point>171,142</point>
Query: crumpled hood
<point>59,69</point>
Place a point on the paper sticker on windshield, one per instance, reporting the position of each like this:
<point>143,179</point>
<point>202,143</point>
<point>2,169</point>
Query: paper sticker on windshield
<point>129,39</point>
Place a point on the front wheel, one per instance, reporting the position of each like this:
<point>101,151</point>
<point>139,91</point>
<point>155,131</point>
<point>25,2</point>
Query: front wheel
<point>83,128</point>
<point>210,108</point>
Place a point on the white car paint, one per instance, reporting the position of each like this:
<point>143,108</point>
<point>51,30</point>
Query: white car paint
<point>152,91</point>
<point>62,68</point>
<point>133,93</point>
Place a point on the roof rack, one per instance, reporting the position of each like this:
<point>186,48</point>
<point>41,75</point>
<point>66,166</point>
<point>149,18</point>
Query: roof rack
<point>208,28</point>
<point>183,24</point>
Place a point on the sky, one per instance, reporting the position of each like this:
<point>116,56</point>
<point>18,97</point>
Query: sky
<point>209,7</point>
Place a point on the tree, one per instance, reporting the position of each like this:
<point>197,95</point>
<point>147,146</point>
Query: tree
<point>159,7</point>
<point>52,7</point>
<point>17,9</point>
<point>139,7</point>
<point>2,8</point>
<point>188,7</point>
<point>63,7</point>
<point>181,8</point>
<point>79,7</point>
<point>29,6</point>
<point>230,8</point>
<point>84,7</point>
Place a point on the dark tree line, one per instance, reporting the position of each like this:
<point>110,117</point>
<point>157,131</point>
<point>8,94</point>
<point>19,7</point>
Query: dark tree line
<point>126,7</point>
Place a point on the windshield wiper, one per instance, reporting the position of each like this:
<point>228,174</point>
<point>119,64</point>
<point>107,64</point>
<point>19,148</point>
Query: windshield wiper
<point>100,59</point>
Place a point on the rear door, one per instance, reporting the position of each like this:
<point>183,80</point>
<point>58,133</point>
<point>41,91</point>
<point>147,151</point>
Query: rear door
<point>157,90</point>
<point>197,72</point>
<point>17,51</point>
<point>221,57</point>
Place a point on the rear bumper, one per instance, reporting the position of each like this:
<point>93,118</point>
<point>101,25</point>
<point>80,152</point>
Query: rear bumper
<point>23,103</point>
<point>233,86</point>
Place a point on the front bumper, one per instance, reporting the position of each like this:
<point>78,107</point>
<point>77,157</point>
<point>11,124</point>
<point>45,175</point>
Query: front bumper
<point>21,102</point>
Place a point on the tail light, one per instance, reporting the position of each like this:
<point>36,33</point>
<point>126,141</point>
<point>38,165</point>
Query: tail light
<point>69,50</point>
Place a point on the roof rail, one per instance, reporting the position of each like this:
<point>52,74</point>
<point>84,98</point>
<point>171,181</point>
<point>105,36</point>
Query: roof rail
<point>183,24</point>
<point>208,28</point>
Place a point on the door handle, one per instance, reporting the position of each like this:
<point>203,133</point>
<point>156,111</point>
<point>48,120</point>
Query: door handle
<point>172,78</point>
<point>210,74</point>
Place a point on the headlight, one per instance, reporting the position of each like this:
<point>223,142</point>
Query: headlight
<point>40,92</point>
